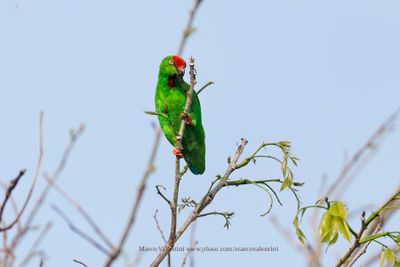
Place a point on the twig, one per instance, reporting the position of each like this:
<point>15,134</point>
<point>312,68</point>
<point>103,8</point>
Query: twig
<point>80,262</point>
<point>14,207</point>
<point>192,240</point>
<point>81,210</point>
<point>341,182</point>
<point>162,195</point>
<point>190,250</point>
<point>78,231</point>
<point>64,159</point>
<point>204,87</point>
<point>136,260</point>
<point>22,230</point>
<point>33,250</point>
<point>189,27</point>
<point>162,235</point>
<point>11,186</point>
<point>116,251</point>
<point>74,136</point>
<point>158,226</point>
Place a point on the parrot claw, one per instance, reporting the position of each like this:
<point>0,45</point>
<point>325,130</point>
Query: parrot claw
<point>186,118</point>
<point>177,152</point>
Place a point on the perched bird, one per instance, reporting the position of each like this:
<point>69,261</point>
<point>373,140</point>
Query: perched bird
<point>170,101</point>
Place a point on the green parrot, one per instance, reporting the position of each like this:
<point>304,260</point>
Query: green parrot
<point>170,101</point>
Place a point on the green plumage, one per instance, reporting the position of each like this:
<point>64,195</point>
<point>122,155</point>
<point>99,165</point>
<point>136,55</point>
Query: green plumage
<point>170,100</point>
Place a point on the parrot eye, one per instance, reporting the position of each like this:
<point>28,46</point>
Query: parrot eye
<point>171,62</point>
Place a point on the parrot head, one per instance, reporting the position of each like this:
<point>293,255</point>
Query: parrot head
<point>173,66</point>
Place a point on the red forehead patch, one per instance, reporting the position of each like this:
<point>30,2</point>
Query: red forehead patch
<point>179,62</point>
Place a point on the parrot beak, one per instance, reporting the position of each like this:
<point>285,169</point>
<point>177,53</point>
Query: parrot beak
<point>181,71</point>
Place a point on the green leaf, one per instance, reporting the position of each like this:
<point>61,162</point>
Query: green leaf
<point>382,258</point>
<point>332,222</point>
<point>325,228</point>
<point>334,238</point>
<point>338,209</point>
<point>286,183</point>
<point>389,254</point>
<point>284,164</point>
<point>397,263</point>
<point>299,233</point>
<point>344,228</point>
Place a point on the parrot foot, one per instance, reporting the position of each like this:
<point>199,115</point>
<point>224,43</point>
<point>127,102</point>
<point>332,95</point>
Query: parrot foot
<point>177,152</point>
<point>186,118</point>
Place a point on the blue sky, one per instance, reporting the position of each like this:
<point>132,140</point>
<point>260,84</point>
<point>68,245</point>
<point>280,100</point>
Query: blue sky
<point>321,74</point>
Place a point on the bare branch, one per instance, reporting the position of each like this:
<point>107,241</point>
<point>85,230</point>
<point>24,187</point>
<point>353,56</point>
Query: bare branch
<point>158,227</point>
<point>80,262</point>
<point>162,235</point>
<point>73,139</point>
<point>20,231</point>
<point>33,250</point>
<point>189,26</point>
<point>81,210</point>
<point>360,157</point>
<point>116,251</point>
<point>78,231</point>
<point>162,195</point>
<point>11,187</point>
<point>190,250</point>
<point>74,136</point>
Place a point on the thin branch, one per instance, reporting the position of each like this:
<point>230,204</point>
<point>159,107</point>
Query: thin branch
<point>116,251</point>
<point>190,250</point>
<point>81,211</point>
<point>38,165</point>
<point>33,250</point>
<point>78,231</point>
<point>206,200</point>
<point>162,235</point>
<point>162,195</point>
<point>192,241</point>
<point>136,260</point>
<point>342,181</point>
<point>74,136</point>
<point>13,183</point>
<point>80,262</point>
<point>189,26</point>
<point>204,87</point>
<point>158,227</point>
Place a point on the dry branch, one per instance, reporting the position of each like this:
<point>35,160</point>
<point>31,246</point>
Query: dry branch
<point>81,211</point>
<point>116,251</point>
<point>189,27</point>
<point>13,184</point>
